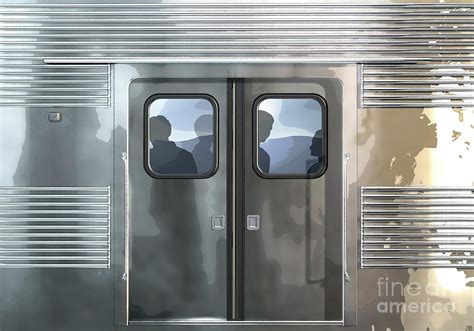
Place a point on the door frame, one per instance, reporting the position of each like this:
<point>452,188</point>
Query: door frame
<point>124,74</point>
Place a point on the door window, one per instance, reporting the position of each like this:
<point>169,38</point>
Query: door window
<point>290,137</point>
<point>181,136</point>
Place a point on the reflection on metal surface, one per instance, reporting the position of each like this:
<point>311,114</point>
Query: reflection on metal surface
<point>55,227</point>
<point>412,227</point>
<point>449,84</point>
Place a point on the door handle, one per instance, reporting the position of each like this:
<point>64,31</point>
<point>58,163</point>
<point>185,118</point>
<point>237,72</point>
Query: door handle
<point>253,222</point>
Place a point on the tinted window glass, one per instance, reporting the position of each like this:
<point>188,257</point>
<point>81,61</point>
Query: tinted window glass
<point>181,136</point>
<point>291,135</point>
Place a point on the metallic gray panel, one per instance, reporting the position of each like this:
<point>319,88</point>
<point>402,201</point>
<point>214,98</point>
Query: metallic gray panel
<point>416,227</point>
<point>55,227</point>
<point>432,85</point>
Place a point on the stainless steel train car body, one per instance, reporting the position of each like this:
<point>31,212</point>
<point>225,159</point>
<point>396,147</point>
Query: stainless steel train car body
<point>383,240</point>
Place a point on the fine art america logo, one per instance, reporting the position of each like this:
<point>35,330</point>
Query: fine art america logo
<point>413,297</point>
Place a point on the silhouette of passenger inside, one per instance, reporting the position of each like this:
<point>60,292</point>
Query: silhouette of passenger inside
<point>165,156</point>
<point>265,125</point>
<point>316,149</point>
<point>202,152</point>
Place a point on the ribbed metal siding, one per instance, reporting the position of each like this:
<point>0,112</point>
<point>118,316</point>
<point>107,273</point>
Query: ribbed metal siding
<point>243,32</point>
<point>416,227</point>
<point>30,83</point>
<point>55,227</point>
<point>418,85</point>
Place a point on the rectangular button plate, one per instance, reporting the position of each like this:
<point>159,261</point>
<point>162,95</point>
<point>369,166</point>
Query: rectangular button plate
<point>218,222</point>
<point>253,222</point>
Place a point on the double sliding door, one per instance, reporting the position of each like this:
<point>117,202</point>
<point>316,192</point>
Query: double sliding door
<point>235,200</point>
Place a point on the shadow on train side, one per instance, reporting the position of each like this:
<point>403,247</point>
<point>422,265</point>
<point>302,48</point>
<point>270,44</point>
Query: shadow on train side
<point>168,272</point>
<point>60,154</point>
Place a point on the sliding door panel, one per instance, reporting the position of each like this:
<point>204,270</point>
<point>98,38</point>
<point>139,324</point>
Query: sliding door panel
<point>292,136</point>
<point>178,199</point>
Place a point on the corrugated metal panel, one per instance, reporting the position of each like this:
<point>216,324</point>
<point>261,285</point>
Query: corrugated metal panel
<point>241,32</point>
<point>416,227</point>
<point>418,85</point>
<point>33,84</point>
<point>55,227</point>
<point>224,32</point>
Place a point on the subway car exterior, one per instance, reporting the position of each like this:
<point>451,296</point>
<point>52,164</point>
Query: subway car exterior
<point>237,165</point>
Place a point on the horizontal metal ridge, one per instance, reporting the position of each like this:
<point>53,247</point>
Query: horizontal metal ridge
<point>418,189</point>
<point>418,73</point>
<point>49,104</point>
<point>51,258</point>
<point>54,188</point>
<point>425,258</point>
<point>411,242</point>
<point>54,265</point>
<point>423,265</point>
<point>162,18</point>
<point>427,227</point>
<point>227,60</point>
<point>448,203</point>
<point>355,36</point>
<point>245,17</point>
<point>395,81</point>
<point>408,226</point>
<point>50,242</point>
<point>426,234</point>
<point>416,250</point>
<point>53,250</point>
<point>320,9</point>
<point>218,40</point>
<point>446,97</point>
<point>238,23</point>
<point>245,4</point>
<point>428,211</point>
<point>49,196</point>
<point>267,28</point>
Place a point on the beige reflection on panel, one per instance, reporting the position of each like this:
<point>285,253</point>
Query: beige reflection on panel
<point>451,163</point>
